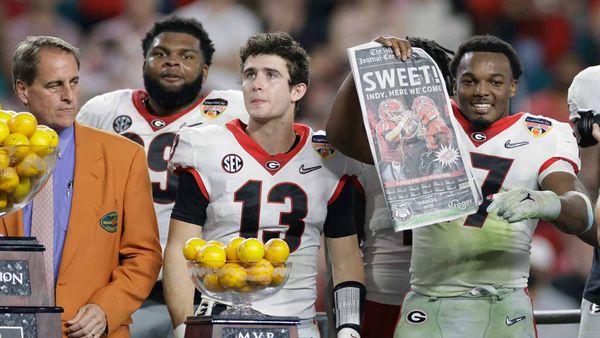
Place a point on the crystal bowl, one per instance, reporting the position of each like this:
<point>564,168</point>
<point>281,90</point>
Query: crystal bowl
<point>23,172</point>
<point>239,284</point>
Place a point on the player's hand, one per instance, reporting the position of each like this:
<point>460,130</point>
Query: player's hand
<point>348,332</point>
<point>521,203</point>
<point>89,321</point>
<point>596,131</point>
<point>401,47</point>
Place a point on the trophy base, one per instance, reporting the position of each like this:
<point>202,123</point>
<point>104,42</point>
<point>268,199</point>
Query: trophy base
<point>235,325</point>
<point>35,322</point>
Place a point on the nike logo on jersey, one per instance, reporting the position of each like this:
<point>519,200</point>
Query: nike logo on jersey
<point>511,322</point>
<point>509,145</point>
<point>304,170</point>
<point>193,124</point>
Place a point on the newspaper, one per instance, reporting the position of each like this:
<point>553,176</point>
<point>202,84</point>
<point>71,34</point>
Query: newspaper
<point>411,131</point>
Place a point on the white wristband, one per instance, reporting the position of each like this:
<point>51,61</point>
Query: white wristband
<point>588,208</point>
<point>348,332</point>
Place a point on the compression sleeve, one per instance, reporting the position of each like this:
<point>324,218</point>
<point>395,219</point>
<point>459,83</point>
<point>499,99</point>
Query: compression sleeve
<point>190,205</point>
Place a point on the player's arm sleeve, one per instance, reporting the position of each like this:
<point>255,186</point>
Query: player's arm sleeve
<point>184,149</point>
<point>191,203</point>
<point>89,112</point>
<point>565,157</point>
<point>340,211</point>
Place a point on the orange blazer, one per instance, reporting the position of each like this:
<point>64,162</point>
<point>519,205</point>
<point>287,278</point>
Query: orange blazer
<point>115,270</point>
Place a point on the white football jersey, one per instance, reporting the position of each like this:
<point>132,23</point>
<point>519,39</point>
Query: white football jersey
<point>254,194</point>
<point>124,112</point>
<point>386,253</point>
<point>451,258</point>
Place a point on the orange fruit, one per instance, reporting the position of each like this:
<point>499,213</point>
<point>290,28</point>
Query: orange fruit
<point>32,165</point>
<point>232,247</point>
<point>3,200</point>
<point>278,275</point>
<point>4,130</point>
<point>277,251</point>
<point>211,256</point>
<point>9,179</point>
<point>251,250</point>
<point>260,273</point>
<point>248,288</point>
<point>6,115</point>
<point>23,123</point>
<point>232,276</point>
<point>22,190</point>
<point>211,282</point>
<point>4,159</point>
<point>53,134</point>
<point>191,247</point>
<point>40,142</point>
<point>217,243</point>
<point>18,145</point>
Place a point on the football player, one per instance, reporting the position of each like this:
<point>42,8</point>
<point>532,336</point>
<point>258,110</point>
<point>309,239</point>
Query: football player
<point>394,120</point>
<point>437,134</point>
<point>386,253</point>
<point>270,178</point>
<point>177,56</point>
<point>476,267</point>
<point>582,97</point>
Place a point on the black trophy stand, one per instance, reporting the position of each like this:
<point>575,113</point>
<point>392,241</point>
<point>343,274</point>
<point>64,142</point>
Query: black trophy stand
<point>25,309</point>
<point>232,326</point>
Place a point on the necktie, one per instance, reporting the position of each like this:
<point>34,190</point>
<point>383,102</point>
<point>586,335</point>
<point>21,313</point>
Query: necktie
<point>42,227</point>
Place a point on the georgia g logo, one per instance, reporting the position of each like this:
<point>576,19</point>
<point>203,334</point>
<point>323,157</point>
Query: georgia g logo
<point>232,163</point>
<point>594,309</point>
<point>272,165</point>
<point>416,317</point>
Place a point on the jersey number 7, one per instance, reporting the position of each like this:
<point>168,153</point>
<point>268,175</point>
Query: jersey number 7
<point>497,168</point>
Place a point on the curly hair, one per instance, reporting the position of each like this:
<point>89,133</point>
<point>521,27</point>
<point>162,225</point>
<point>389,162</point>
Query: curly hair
<point>491,44</point>
<point>439,54</point>
<point>175,24</point>
<point>284,46</point>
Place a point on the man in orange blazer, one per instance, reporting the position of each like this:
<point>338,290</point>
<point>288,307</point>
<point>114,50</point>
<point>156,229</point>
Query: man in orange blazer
<point>106,248</point>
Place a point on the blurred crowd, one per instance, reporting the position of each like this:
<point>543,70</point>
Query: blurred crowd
<point>555,40</point>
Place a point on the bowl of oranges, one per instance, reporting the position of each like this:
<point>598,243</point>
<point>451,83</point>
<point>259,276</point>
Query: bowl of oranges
<point>27,158</point>
<point>239,272</point>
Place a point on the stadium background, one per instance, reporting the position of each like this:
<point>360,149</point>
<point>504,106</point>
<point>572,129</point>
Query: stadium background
<point>555,40</point>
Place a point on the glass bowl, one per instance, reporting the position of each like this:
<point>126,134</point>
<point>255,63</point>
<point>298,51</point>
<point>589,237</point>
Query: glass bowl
<point>23,172</point>
<point>239,284</point>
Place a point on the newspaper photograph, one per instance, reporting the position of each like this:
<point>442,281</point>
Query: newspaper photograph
<point>411,129</point>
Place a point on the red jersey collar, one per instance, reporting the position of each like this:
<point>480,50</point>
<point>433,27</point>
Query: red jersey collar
<point>238,129</point>
<point>158,122</point>
<point>496,128</point>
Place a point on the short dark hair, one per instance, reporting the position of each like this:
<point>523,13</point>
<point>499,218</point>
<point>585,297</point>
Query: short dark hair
<point>284,46</point>
<point>175,24</point>
<point>490,44</point>
<point>439,54</point>
<point>26,58</point>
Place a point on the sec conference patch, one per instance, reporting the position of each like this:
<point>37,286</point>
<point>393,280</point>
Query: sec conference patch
<point>121,123</point>
<point>109,221</point>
